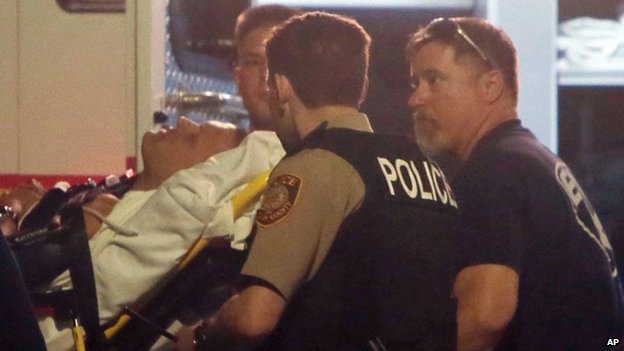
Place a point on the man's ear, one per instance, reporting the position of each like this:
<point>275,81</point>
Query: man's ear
<point>284,88</point>
<point>492,85</point>
<point>364,92</point>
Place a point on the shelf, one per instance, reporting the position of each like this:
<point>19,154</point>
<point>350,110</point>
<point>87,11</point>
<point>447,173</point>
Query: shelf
<point>607,77</point>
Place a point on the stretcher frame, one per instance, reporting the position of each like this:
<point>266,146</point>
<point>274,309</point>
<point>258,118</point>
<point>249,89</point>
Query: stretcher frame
<point>139,326</point>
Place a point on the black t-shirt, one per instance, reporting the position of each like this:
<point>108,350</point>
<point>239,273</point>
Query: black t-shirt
<point>520,206</point>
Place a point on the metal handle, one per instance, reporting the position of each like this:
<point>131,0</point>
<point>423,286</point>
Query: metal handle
<point>199,100</point>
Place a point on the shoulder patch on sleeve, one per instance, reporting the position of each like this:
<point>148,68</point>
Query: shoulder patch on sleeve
<point>279,199</point>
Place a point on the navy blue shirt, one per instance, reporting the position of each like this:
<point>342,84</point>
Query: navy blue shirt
<point>520,206</point>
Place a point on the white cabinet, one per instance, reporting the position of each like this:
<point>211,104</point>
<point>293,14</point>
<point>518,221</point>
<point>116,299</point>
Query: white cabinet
<point>67,90</point>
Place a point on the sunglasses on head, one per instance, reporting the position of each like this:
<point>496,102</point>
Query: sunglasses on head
<point>445,25</point>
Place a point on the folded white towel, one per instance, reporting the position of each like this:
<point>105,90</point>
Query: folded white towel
<point>592,43</point>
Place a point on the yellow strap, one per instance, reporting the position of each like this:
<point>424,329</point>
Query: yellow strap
<point>79,338</point>
<point>195,249</point>
<point>121,321</point>
<point>250,194</point>
<point>240,201</point>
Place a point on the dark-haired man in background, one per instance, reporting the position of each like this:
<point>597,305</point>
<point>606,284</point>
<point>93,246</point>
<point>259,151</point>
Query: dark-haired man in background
<point>355,234</point>
<point>253,29</point>
<point>536,269</point>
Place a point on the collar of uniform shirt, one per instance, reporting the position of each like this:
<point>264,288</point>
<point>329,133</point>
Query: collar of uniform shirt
<point>356,121</point>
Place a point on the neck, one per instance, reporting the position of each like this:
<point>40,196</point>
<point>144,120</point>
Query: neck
<point>306,120</point>
<point>255,125</point>
<point>493,119</point>
<point>145,181</point>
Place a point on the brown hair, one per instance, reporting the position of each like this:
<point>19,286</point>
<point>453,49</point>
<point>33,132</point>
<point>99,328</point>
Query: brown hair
<point>325,56</point>
<point>261,16</point>
<point>490,39</point>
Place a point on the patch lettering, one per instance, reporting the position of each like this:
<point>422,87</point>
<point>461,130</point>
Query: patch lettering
<point>279,199</point>
<point>586,216</point>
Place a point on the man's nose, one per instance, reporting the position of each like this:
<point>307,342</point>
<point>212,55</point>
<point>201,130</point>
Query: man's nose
<point>263,83</point>
<point>416,98</point>
<point>263,71</point>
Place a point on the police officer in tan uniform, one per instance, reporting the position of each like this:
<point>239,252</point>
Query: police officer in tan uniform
<point>356,230</point>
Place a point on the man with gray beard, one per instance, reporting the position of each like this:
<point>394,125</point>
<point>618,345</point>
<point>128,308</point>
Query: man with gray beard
<point>536,270</point>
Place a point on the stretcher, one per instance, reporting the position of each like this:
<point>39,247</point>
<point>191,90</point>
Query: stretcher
<point>209,264</point>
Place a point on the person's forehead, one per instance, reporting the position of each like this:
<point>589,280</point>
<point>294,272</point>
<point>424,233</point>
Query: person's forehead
<point>431,55</point>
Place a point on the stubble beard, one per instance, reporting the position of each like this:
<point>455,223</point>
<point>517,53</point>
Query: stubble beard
<point>429,135</point>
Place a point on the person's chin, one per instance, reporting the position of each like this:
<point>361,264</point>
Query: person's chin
<point>147,140</point>
<point>428,149</point>
<point>431,144</point>
<point>261,123</point>
<point>260,117</point>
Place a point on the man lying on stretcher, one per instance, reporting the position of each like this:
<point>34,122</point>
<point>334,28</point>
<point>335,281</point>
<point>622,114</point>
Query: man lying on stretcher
<point>168,219</point>
<point>182,195</point>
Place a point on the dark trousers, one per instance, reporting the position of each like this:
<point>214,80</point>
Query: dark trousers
<point>18,327</point>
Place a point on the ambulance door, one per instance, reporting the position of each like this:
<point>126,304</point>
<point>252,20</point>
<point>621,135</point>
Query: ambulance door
<point>68,87</point>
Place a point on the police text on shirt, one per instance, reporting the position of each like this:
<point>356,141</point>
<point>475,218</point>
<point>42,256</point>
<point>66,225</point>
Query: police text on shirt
<point>424,181</point>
